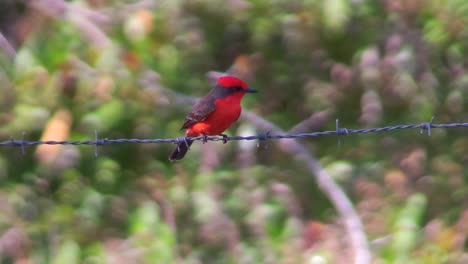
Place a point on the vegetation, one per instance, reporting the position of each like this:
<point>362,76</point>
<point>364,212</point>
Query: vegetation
<point>125,69</point>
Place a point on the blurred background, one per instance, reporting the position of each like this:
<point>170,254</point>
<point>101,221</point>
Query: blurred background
<point>126,69</point>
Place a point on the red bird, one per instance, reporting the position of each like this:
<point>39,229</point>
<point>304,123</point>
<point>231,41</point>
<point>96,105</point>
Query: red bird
<point>214,113</point>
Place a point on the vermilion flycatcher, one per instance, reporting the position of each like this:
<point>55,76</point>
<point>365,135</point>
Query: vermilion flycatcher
<point>214,113</point>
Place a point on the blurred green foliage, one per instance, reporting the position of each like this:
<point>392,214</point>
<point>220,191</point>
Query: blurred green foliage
<point>122,67</point>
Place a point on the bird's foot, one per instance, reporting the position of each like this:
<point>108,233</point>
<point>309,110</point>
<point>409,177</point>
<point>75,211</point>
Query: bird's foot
<point>225,138</point>
<point>205,139</point>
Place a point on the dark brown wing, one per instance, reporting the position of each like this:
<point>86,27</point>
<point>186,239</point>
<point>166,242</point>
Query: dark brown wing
<point>200,111</point>
<point>206,105</point>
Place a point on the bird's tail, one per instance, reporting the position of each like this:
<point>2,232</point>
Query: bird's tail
<point>181,150</point>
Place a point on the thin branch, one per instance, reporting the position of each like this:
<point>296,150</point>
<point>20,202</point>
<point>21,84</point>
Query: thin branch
<point>78,16</point>
<point>312,123</point>
<point>94,34</point>
<point>7,47</point>
<point>121,11</point>
<point>330,188</point>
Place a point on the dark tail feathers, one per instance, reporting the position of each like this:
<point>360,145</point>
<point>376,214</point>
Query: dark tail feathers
<point>181,150</point>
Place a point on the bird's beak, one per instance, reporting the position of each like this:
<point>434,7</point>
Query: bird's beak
<point>251,91</point>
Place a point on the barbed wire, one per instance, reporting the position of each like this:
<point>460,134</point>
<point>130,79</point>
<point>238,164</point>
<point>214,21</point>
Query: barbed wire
<point>260,136</point>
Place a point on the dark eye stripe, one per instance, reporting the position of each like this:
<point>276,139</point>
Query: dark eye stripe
<point>233,90</point>
<point>220,92</point>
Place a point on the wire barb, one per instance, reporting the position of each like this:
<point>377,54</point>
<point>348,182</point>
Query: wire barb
<point>23,151</point>
<point>340,131</point>
<point>96,138</point>
<point>263,137</point>
<point>427,126</point>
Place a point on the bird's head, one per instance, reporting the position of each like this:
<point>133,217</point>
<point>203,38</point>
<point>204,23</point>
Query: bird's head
<point>231,82</point>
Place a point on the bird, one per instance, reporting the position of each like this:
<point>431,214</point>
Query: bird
<point>214,113</point>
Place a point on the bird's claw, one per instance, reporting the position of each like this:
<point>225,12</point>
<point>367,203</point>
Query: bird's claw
<point>205,139</point>
<point>225,138</point>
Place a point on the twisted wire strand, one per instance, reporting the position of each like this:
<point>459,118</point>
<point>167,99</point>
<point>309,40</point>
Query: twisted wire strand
<point>261,136</point>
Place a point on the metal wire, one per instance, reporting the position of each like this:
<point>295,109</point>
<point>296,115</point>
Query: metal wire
<point>261,136</point>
